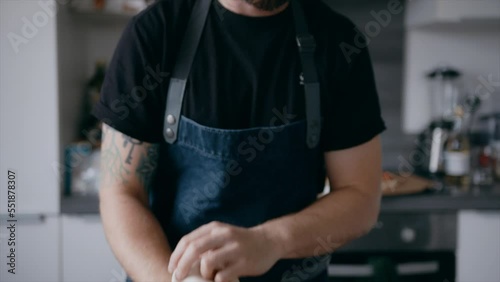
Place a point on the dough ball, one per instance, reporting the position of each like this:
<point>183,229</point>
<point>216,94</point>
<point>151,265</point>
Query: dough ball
<point>194,278</point>
<point>195,275</point>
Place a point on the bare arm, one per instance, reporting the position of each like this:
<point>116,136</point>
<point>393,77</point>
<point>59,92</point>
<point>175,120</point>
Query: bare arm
<point>348,212</point>
<point>135,236</point>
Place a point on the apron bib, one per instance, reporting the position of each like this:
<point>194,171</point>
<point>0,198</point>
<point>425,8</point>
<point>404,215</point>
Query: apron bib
<point>242,177</point>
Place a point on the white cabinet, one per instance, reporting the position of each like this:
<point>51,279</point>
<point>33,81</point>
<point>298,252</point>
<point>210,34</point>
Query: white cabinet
<point>478,254</point>
<point>36,250</point>
<point>425,12</point>
<point>29,105</point>
<point>86,255</point>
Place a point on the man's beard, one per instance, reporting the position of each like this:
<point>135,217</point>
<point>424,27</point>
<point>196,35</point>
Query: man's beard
<point>267,5</point>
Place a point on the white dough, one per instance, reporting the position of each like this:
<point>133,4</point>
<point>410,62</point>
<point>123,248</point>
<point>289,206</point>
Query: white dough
<point>194,276</point>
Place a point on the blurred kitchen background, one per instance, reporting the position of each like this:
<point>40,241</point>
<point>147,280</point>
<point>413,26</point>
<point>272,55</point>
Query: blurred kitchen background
<point>437,66</point>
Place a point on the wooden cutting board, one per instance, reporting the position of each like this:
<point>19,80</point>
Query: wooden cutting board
<point>396,185</point>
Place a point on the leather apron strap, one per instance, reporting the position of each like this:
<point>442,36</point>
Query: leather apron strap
<point>187,53</point>
<point>307,49</point>
<point>182,68</point>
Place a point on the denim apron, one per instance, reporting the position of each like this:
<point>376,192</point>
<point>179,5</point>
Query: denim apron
<point>242,177</point>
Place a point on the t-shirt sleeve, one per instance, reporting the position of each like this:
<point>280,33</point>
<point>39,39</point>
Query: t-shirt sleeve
<point>352,109</point>
<point>131,99</point>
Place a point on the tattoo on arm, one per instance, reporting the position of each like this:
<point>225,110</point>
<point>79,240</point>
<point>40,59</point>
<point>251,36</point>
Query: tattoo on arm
<point>112,158</point>
<point>147,166</point>
<point>119,166</point>
<point>132,142</point>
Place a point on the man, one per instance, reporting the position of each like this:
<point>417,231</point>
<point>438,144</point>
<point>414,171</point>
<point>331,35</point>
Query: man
<point>211,153</point>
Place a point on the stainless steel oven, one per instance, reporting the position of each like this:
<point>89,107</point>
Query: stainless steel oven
<point>403,247</point>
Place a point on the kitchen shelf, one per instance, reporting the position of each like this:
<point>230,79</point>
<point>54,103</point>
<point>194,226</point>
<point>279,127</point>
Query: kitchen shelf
<point>85,36</point>
<point>104,14</point>
<point>100,17</point>
<point>448,13</point>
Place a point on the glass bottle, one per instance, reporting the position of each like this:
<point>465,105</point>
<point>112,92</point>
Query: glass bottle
<point>482,159</point>
<point>457,154</point>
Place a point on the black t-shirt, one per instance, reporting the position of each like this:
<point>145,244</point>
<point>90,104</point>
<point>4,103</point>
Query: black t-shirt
<point>245,69</point>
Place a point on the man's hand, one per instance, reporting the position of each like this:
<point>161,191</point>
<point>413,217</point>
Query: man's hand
<point>226,252</point>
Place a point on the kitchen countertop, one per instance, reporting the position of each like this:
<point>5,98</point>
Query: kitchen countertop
<point>482,198</point>
<point>485,198</point>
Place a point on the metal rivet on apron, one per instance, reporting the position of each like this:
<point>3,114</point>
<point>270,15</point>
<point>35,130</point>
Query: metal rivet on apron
<point>171,119</point>
<point>170,133</point>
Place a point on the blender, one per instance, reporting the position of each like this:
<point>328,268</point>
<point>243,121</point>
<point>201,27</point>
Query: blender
<point>446,93</point>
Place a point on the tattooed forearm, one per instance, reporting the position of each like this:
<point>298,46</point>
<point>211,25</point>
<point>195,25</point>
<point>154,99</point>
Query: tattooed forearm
<point>111,161</point>
<point>147,166</point>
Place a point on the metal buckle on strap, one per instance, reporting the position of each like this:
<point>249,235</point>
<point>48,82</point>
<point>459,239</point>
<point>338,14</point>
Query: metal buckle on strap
<point>306,43</point>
